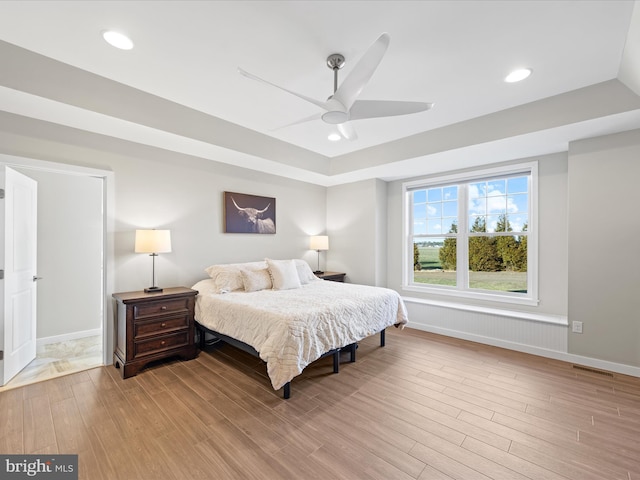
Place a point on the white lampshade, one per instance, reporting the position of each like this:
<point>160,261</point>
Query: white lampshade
<point>319,242</point>
<point>153,241</point>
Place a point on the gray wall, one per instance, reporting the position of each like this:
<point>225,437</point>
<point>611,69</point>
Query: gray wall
<point>185,195</point>
<point>356,225</point>
<point>155,188</point>
<point>604,263</point>
<point>540,330</point>
<point>552,238</point>
<point>160,189</point>
<point>70,232</point>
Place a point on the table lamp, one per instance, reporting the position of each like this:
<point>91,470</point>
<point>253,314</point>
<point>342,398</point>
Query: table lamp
<point>319,242</point>
<point>153,242</point>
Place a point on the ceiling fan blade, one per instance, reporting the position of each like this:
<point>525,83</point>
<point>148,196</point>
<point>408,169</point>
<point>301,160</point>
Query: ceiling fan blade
<point>310,118</point>
<point>347,131</point>
<point>385,108</point>
<point>348,91</point>
<point>303,97</point>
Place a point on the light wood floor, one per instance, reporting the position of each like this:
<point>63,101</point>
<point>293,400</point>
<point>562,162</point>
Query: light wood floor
<point>423,407</point>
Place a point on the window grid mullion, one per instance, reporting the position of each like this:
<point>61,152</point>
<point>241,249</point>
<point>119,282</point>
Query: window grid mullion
<point>462,275</point>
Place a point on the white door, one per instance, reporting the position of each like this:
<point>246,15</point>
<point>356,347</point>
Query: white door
<point>18,241</point>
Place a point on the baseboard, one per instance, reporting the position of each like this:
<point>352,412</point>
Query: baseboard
<point>68,336</point>
<point>541,352</point>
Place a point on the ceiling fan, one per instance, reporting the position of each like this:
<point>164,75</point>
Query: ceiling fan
<point>343,105</point>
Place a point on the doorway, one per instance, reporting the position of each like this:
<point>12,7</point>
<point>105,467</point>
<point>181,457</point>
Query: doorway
<point>72,232</point>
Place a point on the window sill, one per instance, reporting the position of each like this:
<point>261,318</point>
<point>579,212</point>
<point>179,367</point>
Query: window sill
<point>535,317</point>
<point>472,295</point>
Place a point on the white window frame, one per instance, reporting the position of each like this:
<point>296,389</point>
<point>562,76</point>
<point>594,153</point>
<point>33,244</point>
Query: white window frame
<point>461,290</point>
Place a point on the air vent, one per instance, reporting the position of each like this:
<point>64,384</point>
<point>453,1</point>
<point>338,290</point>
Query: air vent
<point>593,370</point>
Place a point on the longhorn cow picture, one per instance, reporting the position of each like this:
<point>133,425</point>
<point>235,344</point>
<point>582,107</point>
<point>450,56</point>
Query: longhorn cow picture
<point>249,213</point>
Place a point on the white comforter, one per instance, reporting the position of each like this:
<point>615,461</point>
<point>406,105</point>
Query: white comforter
<point>292,328</point>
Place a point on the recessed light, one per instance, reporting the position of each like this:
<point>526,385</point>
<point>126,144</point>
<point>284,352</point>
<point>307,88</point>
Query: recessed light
<point>117,39</point>
<point>334,137</point>
<point>518,75</point>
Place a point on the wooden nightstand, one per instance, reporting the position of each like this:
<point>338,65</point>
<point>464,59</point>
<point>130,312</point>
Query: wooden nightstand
<point>331,276</point>
<point>152,326</point>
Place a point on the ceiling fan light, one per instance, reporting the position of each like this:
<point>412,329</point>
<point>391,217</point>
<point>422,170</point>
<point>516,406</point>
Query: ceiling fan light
<point>335,117</point>
<point>518,75</point>
<point>117,39</point>
<point>334,137</point>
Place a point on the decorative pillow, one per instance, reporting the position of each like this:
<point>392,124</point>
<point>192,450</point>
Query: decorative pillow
<point>255,280</point>
<point>227,277</point>
<point>304,272</point>
<point>284,274</point>
<point>228,281</point>
<point>213,270</point>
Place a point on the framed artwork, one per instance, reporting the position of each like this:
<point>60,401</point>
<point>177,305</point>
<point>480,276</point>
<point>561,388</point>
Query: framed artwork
<point>249,213</point>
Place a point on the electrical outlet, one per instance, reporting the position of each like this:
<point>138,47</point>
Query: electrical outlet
<point>576,327</point>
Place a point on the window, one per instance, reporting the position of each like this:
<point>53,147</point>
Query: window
<point>473,235</point>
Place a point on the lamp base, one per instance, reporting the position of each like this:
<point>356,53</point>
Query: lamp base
<point>153,290</point>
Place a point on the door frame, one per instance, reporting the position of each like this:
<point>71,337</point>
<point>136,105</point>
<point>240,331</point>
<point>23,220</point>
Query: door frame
<point>108,229</point>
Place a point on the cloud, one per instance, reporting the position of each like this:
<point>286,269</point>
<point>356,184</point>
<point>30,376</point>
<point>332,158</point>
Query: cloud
<point>494,203</point>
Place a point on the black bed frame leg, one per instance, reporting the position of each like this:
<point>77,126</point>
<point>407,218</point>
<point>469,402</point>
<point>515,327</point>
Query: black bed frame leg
<point>287,390</point>
<point>352,352</point>
<point>382,338</point>
<point>201,340</point>
<point>336,361</point>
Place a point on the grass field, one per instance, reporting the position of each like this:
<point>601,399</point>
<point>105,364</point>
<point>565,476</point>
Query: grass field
<point>432,273</point>
<point>429,258</point>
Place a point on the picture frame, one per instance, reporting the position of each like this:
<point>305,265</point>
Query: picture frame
<point>246,213</point>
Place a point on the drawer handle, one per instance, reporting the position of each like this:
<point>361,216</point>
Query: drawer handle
<point>162,342</point>
<point>163,324</point>
<point>163,308</point>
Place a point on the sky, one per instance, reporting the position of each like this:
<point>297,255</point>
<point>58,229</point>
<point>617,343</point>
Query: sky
<point>435,210</point>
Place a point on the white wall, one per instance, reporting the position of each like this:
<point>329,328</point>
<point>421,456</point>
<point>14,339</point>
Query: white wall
<point>70,233</point>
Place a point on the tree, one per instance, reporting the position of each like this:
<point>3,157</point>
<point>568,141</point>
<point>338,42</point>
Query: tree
<point>488,253</point>
<point>512,249</point>
<point>416,257</point>
<point>448,253</point>
<point>506,246</point>
<point>483,250</point>
<point>520,255</point>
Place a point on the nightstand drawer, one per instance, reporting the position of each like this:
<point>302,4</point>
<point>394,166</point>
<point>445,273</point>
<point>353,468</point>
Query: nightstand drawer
<point>160,344</point>
<point>156,327</point>
<point>160,308</point>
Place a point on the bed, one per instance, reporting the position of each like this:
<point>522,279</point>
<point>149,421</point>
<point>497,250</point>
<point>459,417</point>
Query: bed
<point>280,311</point>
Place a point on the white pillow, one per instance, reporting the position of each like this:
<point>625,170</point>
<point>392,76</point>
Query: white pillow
<point>213,270</point>
<point>304,272</point>
<point>284,274</point>
<point>227,277</point>
<point>228,281</point>
<point>255,280</point>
